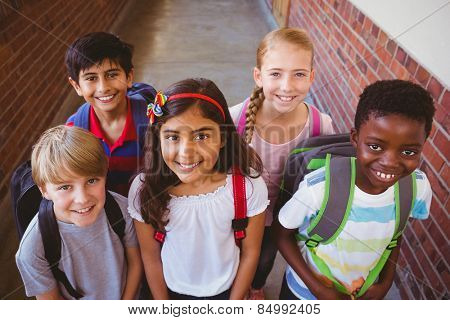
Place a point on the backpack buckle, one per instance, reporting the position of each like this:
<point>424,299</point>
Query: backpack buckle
<point>311,243</point>
<point>159,236</point>
<point>239,225</point>
<point>392,244</point>
<point>239,234</point>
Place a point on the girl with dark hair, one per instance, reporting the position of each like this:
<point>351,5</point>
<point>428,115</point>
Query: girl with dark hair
<point>184,202</point>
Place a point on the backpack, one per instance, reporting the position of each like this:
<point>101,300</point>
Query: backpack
<point>140,95</point>
<point>313,115</point>
<point>240,221</point>
<point>27,201</point>
<point>336,154</point>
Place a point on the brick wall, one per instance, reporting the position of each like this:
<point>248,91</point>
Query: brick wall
<point>352,52</point>
<point>34,36</point>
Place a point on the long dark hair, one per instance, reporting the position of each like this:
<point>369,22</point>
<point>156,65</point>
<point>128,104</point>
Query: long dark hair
<point>158,178</point>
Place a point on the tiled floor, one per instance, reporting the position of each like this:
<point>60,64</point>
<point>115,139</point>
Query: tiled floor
<point>212,39</point>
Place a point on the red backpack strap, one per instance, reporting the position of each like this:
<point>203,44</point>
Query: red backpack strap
<point>240,220</point>
<point>315,125</point>
<point>159,236</point>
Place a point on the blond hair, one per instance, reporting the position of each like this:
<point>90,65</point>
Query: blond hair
<point>64,150</point>
<point>294,36</point>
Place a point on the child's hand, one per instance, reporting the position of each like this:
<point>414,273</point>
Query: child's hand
<point>332,294</point>
<point>375,292</point>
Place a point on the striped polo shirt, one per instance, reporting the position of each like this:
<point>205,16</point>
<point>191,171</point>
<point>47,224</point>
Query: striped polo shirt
<point>125,154</point>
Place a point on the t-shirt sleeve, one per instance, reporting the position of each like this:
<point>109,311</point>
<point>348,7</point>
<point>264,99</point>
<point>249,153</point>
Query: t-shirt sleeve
<point>33,267</point>
<point>305,203</point>
<point>71,121</point>
<point>130,238</point>
<point>327,124</point>
<point>257,196</point>
<point>235,112</point>
<point>134,205</point>
<point>422,203</point>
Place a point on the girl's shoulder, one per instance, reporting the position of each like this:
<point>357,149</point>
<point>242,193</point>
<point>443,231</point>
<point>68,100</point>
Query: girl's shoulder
<point>236,111</point>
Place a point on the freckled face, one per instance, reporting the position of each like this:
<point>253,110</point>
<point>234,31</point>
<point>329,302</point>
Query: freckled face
<point>286,75</point>
<point>388,148</point>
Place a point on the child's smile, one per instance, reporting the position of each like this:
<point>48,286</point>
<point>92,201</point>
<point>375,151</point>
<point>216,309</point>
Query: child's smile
<point>388,148</point>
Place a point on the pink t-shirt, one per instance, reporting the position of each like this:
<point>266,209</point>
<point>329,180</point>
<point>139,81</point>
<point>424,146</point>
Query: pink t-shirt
<point>274,156</point>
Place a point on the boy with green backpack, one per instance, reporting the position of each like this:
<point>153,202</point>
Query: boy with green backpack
<point>348,217</point>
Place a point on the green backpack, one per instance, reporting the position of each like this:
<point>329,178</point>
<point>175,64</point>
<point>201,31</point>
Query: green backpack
<point>340,173</point>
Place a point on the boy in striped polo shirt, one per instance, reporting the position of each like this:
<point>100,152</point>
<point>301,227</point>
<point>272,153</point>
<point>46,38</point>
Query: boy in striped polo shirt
<point>392,122</point>
<point>101,71</point>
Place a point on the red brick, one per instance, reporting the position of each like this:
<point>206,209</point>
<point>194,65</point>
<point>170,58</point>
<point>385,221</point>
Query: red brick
<point>442,143</point>
<point>442,116</point>
<point>399,70</point>
<point>401,55</point>
<point>411,65</point>
<point>445,100</point>
<point>423,76</point>
<point>438,189</point>
<point>435,88</point>
<point>384,55</point>
<point>391,47</point>
<point>375,30</point>
<point>433,157</point>
<point>445,174</point>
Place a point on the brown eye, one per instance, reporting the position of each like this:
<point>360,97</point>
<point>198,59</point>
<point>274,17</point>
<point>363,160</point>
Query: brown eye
<point>374,147</point>
<point>409,153</point>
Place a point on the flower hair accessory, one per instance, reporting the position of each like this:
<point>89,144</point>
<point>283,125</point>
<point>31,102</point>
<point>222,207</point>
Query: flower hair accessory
<point>155,108</point>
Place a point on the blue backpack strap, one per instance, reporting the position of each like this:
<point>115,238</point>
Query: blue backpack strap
<point>51,240</point>
<point>146,91</point>
<point>139,112</point>
<point>81,117</point>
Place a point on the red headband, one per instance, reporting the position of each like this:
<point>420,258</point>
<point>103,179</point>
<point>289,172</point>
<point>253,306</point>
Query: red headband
<point>198,96</point>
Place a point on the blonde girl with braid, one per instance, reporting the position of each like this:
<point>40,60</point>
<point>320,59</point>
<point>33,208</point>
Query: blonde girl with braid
<point>276,117</point>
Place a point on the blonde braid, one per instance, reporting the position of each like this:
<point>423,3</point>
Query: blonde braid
<point>256,100</point>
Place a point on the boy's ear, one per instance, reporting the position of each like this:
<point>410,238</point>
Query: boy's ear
<point>76,86</point>
<point>312,75</point>
<point>130,77</point>
<point>354,137</point>
<point>257,77</point>
<point>43,192</point>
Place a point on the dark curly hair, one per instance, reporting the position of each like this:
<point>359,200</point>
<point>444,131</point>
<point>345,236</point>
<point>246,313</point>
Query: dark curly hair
<point>95,47</point>
<point>395,97</point>
<point>158,178</point>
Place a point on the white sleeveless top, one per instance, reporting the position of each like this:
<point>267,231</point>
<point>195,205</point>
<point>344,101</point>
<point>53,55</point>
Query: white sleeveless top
<point>199,255</point>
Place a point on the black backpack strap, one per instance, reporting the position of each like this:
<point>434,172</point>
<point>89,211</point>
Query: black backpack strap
<point>114,215</point>
<point>339,189</point>
<point>51,240</point>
